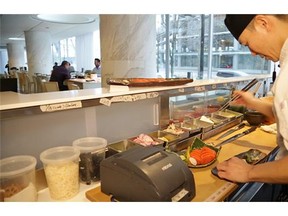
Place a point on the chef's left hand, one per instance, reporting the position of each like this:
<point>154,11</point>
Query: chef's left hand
<point>235,170</point>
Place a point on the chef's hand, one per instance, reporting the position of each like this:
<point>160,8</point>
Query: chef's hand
<point>235,170</point>
<point>245,98</point>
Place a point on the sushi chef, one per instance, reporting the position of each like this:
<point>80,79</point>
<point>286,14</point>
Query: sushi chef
<point>266,36</point>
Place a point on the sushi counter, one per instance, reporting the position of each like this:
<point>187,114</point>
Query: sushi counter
<point>122,119</point>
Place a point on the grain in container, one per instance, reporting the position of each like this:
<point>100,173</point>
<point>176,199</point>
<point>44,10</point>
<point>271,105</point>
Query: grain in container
<point>92,152</point>
<point>17,179</point>
<point>61,167</point>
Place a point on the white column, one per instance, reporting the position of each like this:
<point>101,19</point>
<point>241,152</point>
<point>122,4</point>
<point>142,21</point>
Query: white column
<point>3,60</point>
<point>128,46</point>
<point>38,48</point>
<point>16,55</point>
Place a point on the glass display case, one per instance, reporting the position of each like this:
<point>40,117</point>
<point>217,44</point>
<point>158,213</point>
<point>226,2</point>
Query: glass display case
<point>196,105</point>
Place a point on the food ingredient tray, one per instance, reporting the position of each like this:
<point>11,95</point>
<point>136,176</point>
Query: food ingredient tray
<point>121,145</point>
<point>190,126</point>
<point>168,138</point>
<point>176,130</point>
<point>229,114</point>
<point>206,126</point>
<point>146,140</point>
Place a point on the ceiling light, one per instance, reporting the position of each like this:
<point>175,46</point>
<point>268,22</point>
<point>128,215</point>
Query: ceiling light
<point>18,39</point>
<point>64,18</point>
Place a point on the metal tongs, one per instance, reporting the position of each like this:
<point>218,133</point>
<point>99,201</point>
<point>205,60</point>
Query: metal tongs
<point>246,88</point>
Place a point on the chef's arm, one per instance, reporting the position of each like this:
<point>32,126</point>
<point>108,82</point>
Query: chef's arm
<point>247,99</point>
<point>270,172</point>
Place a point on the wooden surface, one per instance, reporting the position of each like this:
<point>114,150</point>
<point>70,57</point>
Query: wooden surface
<point>206,183</point>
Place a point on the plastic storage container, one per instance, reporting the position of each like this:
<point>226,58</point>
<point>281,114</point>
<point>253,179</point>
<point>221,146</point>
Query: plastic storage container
<point>92,152</point>
<point>61,166</point>
<point>17,179</point>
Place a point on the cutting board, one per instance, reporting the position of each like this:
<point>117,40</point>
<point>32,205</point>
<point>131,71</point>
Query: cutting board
<point>95,195</point>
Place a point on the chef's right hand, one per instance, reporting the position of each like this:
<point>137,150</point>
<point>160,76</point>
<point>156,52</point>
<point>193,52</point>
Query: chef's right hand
<point>246,99</point>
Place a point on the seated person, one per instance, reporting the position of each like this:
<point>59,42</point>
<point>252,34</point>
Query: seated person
<point>60,74</point>
<point>71,69</point>
<point>97,68</point>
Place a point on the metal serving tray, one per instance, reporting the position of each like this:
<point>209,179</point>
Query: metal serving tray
<point>168,136</point>
<point>190,126</point>
<point>206,126</point>
<point>217,119</point>
<point>183,144</point>
<point>229,114</point>
<point>121,145</point>
<point>160,142</point>
<point>183,135</point>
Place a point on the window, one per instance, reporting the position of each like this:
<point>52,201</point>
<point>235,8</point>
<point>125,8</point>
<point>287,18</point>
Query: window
<point>201,46</point>
<point>64,50</point>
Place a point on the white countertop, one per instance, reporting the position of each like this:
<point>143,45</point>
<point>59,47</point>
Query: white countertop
<point>12,100</point>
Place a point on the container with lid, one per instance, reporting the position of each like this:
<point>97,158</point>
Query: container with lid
<point>61,166</point>
<point>17,179</point>
<point>92,153</point>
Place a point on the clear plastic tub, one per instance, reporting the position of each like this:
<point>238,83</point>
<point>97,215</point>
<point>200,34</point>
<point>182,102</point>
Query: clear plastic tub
<point>17,179</point>
<point>92,152</point>
<point>61,166</point>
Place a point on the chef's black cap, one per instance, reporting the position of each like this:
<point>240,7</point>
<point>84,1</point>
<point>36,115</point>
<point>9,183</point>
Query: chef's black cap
<point>236,23</point>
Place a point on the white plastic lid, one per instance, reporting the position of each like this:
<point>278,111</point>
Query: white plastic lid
<point>59,155</point>
<point>17,165</point>
<point>89,144</point>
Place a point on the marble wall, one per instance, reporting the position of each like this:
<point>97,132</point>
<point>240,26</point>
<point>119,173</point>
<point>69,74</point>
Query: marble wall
<point>128,46</point>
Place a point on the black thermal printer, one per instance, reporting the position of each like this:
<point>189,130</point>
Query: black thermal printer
<point>147,174</point>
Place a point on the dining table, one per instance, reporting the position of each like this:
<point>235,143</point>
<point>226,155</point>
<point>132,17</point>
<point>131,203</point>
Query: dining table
<point>86,83</point>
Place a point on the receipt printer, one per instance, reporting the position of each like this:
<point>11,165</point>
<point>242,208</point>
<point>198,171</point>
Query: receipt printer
<point>147,174</point>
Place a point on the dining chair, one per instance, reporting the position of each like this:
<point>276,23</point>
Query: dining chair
<point>40,85</point>
<point>29,84</point>
<point>21,80</point>
<point>73,86</point>
<point>50,86</point>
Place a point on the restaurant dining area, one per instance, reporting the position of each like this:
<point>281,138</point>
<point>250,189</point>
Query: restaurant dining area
<point>103,111</point>
<point>25,83</point>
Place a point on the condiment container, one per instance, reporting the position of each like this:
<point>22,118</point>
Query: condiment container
<point>92,153</point>
<point>61,166</point>
<point>17,179</point>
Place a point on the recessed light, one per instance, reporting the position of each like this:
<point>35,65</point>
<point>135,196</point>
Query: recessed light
<point>64,18</point>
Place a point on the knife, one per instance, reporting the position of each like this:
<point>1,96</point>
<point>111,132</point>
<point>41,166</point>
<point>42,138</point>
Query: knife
<point>238,127</point>
<point>237,136</point>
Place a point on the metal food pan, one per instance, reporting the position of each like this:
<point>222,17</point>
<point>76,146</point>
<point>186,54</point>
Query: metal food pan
<point>121,145</point>
<point>160,142</point>
<point>163,135</point>
<point>191,127</point>
<point>183,135</point>
<point>230,114</point>
<point>217,119</point>
<point>206,126</point>
<point>183,144</point>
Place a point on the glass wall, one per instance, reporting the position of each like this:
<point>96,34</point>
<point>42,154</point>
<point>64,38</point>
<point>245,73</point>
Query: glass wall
<point>200,46</point>
<point>64,50</point>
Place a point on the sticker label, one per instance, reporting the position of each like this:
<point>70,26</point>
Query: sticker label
<point>61,106</point>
